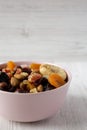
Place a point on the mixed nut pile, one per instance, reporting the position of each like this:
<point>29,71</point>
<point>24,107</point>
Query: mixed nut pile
<point>31,78</point>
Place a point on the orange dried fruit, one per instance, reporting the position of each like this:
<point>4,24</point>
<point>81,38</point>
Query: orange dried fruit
<point>35,66</point>
<point>11,65</point>
<point>56,80</point>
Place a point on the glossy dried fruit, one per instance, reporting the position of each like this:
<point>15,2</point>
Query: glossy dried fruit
<point>4,77</point>
<point>26,69</point>
<point>12,89</point>
<point>43,81</point>
<point>3,86</point>
<point>33,79</point>
<point>56,80</point>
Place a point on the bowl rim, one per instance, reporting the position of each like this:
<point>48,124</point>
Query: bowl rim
<point>43,92</point>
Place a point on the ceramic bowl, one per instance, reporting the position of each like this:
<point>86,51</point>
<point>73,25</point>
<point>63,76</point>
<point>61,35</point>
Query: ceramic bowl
<point>30,107</point>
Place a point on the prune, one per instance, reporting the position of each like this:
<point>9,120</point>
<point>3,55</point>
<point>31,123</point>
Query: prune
<point>26,69</point>
<point>43,81</point>
<point>37,82</point>
<point>23,91</point>
<point>4,77</point>
<point>3,86</point>
<point>50,87</point>
<point>12,89</point>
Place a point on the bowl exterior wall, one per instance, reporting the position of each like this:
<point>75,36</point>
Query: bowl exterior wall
<point>32,107</point>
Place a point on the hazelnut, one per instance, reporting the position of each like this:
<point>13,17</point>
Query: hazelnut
<point>21,76</point>
<point>14,82</point>
<point>34,90</point>
<point>27,85</point>
<point>40,88</point>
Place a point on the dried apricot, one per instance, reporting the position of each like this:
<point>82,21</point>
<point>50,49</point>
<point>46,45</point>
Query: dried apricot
<point>56,80</point>
<point>35,66</point>
<point>11,65</point>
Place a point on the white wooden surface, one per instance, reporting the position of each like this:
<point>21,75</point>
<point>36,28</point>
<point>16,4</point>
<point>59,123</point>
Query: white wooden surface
<point>52,31</point>
<point>43,29</point>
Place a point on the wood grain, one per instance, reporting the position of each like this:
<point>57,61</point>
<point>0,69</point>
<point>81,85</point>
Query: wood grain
<point>44,30</point>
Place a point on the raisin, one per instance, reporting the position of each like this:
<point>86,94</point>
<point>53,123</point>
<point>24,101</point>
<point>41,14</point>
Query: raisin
<point>43,81</point>
<point>23,91</point>
<point>4,77</point>
<point>50,87</point>
<point>3,86</point>
<point>12,89</point>
<point>26,69</point>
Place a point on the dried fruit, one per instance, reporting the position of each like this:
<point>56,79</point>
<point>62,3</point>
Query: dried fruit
<point>26,69</point>
<point>11,65</point>
<point>3,86</point>
<point>12,89</point>
<point>56,80</point>
<point>43,81</point>
<point>46,70</point>
<point>4,77</point>
<point>35,66</point>
<point>33,79</point>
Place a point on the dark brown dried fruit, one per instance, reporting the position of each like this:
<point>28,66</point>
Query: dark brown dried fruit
<point>4,77</point>
<point>26,69</point>
<point>43,81</point>
<point>23,91</point>
<point>3,86</point>
<point>12,89</point>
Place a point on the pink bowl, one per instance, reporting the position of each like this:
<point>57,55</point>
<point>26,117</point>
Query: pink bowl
<point>29,107</point>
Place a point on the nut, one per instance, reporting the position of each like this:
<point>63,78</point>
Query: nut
<point>23,87</point>
<point>34,77</point>
<point>40,88</point>
<point>27,85</point>
<point>25,74</point>
<point>21,76</point>
<point>34,90</point>
<point>14,82</point>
